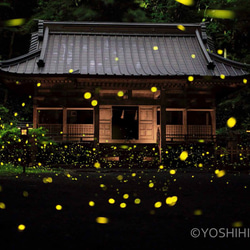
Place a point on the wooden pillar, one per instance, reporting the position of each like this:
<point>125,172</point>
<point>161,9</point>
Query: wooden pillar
<point>163,124</point>
<point>65,131</point>
<point>35,118</point>
<point>213,121</point>
<point>96,121</point>
<point>184,123</point>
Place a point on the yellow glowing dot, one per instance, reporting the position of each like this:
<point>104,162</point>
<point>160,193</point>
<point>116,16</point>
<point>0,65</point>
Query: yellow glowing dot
<point>91,203</point>
<point>171,201</point>
<point>111,201</point>
<point>172,171</point>
<point>198,212</point>
<point>87,95</point>
<point>119,177</point>
<point>161,167</point>
<point>190,78</point>
<point>137,201</point>
<point>47,180</point>
<point>125,196</point>
<point>2,205</point>
<point>153,89</point>
<point>71,71</point>
<point>15,22</point>
<point>245,81</point>
<point>200,165</point>
<point>120,94</point>
<point>193,56</point>
<point>220,51</point>
<point>237,224</point>
<point>23,104</point>
<point>17,82</point>
<point>94,103</point>
<point>158,204</point>
<point>15,114</point>
<point>223,14</point>
<point>222,76</point>
<point>220,173</point>
<point>181,27</point>
<point>19,159</point>
<point>58,207</point>
<point>103,187</point>
<point>151,184</point>
<point>186,2</point>
<point>155,48</point>
<point>231,122</point>
<point>21,227</point>
<point>97,165</point>
<point>117,59</point>
<point>25,194</point>
<point>183,155</point>
<point>123,205</point>
<point>102,220</point>
<point>38,84</point>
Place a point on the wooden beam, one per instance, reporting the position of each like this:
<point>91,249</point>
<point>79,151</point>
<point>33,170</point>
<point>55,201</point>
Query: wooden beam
<point>141,101</point>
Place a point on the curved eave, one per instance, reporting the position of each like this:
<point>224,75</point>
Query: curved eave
<point>20,59</point>
<point>245,68</point>
<point>10,76</point>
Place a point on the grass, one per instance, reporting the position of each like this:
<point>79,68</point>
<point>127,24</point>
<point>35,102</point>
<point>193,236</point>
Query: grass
<point>10,169</point>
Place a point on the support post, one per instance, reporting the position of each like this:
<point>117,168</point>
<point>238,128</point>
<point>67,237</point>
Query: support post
<point>96,122</point>
<point>184,123</point>
<point>163,124</point>
<point>34,116</point>
<point>213,120</point>
<point>65,123</point>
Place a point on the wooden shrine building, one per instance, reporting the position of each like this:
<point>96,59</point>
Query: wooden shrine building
<point>140,83</point>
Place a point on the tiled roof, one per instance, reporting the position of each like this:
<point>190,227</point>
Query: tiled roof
<point>119,49</point>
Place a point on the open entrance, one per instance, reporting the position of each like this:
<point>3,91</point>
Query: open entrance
<point>125,123</point>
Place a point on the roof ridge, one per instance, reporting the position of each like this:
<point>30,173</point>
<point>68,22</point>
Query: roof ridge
<point>44,22</point>
<point>210,63</point>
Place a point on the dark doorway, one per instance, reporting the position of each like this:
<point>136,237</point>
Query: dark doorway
<point>125,123</point>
